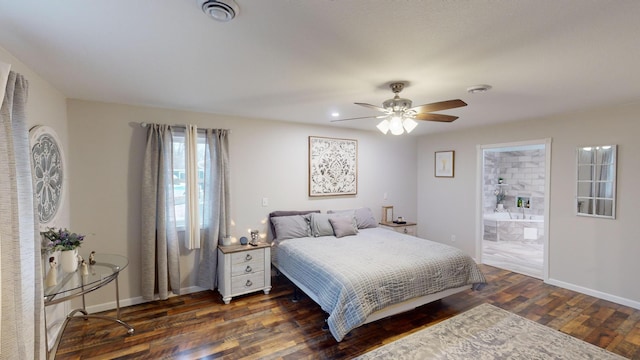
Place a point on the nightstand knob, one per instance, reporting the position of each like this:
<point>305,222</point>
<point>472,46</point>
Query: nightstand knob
<point>249,283</point>
<point>248,269</point>
<point>405,230</point>
<point>248,257</point>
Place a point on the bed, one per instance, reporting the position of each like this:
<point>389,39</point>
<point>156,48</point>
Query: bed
<point>358,272</point>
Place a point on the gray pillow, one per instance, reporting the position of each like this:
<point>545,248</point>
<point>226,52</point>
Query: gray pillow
<point>364,217</point>
<point>320,225</point>
<point>290,227</point>
<point>285,213</point>
<point>342,226</point>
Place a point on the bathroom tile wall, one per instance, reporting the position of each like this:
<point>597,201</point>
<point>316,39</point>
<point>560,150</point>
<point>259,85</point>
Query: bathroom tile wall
<point>491,175</point>
<point>513,231</point>
<point>523,173</point>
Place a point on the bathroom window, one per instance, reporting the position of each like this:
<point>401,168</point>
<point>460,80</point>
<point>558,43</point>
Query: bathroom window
<point>596,183</point>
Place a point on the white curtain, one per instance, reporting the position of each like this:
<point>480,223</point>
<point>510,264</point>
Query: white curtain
<point>160,250</point>
<point>217,220</point>
<point>22,316</point>
<point>192,215</point>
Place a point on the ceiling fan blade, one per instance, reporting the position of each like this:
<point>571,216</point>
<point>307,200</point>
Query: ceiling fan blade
<point>362,117</point>
<point>435,117</point>
<point>372,107</point>
<point>437,106</point>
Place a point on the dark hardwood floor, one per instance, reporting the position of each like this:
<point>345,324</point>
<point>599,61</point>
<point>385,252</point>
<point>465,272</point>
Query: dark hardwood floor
<point>258,326</point>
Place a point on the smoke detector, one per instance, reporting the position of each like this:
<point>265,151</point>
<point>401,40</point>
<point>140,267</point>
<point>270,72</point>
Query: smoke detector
<point>220,10</point>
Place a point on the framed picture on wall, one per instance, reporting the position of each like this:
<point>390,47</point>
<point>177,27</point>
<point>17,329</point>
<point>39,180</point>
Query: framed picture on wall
<point>387,214</point>
<point>444,163</point>
<point>333,166</point>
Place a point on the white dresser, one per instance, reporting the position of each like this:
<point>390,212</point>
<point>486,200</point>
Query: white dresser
<point>243,269</point>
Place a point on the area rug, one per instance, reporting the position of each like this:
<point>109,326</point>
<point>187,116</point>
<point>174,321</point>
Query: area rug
<point>488,332</point>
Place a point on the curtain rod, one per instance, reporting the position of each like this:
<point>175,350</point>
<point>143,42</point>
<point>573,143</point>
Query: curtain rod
<point>144,125</point>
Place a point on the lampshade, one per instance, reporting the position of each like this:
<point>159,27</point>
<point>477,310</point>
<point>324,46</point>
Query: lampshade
<point>383,126</point>
<point>409,124</point>
<point>395,125</point>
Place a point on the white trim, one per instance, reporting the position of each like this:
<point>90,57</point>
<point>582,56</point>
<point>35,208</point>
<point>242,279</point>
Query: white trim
<point>547,208</point>
<point>110,305</point>
<point>547,193</point>
<point>479,200</point>
<point>595,293</point>
<point>598,294</point>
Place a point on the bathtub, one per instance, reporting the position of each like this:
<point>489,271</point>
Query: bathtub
<point>515,216</point>
<point>499,226</point>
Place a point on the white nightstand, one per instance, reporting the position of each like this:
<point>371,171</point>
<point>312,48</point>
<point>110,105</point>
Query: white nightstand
<point>409,228</point>
<point>243,269</point>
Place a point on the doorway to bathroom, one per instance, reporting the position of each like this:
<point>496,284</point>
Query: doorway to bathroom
<point>513,216</point>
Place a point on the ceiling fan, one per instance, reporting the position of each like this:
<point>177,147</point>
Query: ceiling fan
<point>399,116</point>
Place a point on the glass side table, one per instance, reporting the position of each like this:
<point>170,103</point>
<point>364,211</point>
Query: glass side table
<point>71,285</point>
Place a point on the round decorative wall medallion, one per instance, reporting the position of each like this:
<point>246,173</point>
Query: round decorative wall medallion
<point>48,173</point>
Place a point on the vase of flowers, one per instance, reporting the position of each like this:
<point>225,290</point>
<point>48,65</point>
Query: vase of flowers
<point>499,198</point>
<point>67,243</point>
<point>69,260</point>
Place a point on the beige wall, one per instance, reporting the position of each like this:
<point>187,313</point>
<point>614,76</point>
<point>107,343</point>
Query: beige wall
<point>45,106</point>
<point>596,256</point>
<point>268,159</point>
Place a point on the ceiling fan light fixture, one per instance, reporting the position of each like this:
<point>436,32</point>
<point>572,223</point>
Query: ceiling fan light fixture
<point>409,124</point>
<point>395,125</point>
<point>383,126</point>
<point>400,115</point>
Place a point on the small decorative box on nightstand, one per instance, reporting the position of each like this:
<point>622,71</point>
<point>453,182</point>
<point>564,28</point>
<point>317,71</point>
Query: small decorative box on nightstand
<point>408,228</point>
<point>243,269</point>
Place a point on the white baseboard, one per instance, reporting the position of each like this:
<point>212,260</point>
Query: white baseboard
<point>596,293</point>
<point>599,294</point>
<point>136,300</point>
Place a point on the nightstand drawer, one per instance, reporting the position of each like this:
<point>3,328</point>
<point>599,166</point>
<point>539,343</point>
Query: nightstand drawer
<point>247,283</point>
<point>247,257</point>
<point>409,230</point>
<point>244,268</point>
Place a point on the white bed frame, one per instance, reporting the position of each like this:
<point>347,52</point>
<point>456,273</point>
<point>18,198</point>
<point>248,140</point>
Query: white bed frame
<point>389,310</point>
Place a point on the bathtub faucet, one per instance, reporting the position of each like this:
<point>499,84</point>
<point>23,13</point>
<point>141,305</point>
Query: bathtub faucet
<point>509,211</point>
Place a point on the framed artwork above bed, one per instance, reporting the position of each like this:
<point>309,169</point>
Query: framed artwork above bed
<point>333,166</point>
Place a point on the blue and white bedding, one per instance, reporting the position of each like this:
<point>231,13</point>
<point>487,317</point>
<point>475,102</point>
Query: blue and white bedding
<point>351,277</point>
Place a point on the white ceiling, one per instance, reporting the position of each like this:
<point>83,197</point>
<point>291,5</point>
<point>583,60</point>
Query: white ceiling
<point>302,60</point>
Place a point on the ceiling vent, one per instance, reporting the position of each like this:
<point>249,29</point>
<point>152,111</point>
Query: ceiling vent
<point>220,10</point>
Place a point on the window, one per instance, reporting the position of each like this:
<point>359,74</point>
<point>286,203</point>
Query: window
<point>596,183</point>
<point>179,176</point>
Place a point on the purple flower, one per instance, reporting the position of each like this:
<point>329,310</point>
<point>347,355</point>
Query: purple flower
<point>62,239</point>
